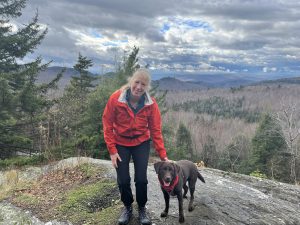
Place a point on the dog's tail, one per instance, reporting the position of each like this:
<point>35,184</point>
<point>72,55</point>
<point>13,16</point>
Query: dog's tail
<point>200,177</point>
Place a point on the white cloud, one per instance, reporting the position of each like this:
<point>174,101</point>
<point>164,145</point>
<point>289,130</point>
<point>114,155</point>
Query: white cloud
<point>267,69</point>
<point>240,36</point>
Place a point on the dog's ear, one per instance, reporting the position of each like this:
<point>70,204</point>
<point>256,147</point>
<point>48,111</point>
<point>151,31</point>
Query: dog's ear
<point>177,168</point>
<point>157,165</point>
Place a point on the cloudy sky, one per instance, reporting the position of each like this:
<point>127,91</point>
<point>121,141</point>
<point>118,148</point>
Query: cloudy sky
<point>182,36</point>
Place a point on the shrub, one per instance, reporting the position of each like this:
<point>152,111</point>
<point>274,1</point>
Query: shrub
<point>21,161</point>
<point>258,174</point>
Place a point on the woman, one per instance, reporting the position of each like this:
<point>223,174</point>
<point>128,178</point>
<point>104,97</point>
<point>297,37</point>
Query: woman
<point>130,118</point>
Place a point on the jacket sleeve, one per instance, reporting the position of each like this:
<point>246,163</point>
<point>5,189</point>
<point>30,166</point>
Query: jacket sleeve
<point>108,119</point>
<point>156,131</point>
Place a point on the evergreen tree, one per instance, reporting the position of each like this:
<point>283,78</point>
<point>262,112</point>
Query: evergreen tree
<point>78,90</point>
<point>127,68</point>
<point>267,144</point>
<point>16,45</point>
<point>22,100</point>
<point>74,103</point>
<point>184,141</point>
<point>83,83</point>
<point>160,98</point>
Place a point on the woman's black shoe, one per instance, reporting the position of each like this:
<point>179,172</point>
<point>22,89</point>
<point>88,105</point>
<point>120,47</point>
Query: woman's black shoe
<point>143,218</point>
<point>125,216</point>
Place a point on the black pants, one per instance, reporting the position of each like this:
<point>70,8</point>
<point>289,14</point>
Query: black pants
<point>140,156</point>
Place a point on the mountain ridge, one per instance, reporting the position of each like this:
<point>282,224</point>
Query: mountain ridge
<point>180,82</point>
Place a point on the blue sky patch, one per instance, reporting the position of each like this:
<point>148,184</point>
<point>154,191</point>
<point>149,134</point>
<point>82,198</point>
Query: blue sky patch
<point>165,28</point>
<point>110,43</point>
<point>95,34</point>
<point>188,23</point>
<point>198,25</point>
<point>115,43</point>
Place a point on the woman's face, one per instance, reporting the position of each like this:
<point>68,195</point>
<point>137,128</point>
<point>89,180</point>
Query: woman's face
<point>138,87</point>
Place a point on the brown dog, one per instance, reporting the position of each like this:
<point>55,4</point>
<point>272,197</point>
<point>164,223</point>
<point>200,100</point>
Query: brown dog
<point>173,177</point>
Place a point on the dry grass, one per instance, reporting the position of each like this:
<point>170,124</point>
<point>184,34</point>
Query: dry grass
<point>12,183</point>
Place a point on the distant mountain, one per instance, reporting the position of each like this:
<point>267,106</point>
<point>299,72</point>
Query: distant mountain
<point>200,82</point>
<point>182,81</point>
<point>169,83</point>
<point>51,72</point>
<point>220,80</point>
<point>194,81</point>
<point>290,80</point>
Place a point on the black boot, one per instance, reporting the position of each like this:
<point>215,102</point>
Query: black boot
<point>125,216</point>
<point>143,218</point>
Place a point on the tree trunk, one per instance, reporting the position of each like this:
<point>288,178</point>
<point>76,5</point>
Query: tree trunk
<point>293,170</point>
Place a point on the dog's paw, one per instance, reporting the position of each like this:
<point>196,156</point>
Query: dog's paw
<point>191,208</point>
<point>164,214</point>
<point>181,219</point>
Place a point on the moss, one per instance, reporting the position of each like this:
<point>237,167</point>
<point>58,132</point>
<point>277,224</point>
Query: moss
<point>108,215</point>
<point>91,170</point>
<point>91,204</point>
<point>258,174</point>
<point>27,199</point>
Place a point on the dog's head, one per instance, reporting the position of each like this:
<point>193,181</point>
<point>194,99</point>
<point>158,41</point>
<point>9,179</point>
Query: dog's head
<point>167,172</point>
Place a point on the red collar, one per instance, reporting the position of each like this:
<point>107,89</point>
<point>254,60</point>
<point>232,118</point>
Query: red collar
<point>172,185</point>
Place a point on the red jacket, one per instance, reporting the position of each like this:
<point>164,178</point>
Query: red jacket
<point>121,126</point>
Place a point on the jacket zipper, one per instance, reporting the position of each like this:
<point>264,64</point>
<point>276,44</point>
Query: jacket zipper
<point>134,117</point>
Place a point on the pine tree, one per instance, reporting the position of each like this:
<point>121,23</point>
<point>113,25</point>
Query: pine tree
<point>267,144</point>
<point>77,92</point>
<point>127,68</point>
<point>75,103</point>
<point>22,100</point>
<point>184,143</point>
<point>82,83</point>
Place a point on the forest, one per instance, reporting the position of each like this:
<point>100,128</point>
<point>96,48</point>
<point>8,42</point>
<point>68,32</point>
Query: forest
<point>252,130</point>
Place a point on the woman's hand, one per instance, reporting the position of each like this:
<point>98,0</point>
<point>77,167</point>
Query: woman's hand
<point>165,159</point>
<point>168,160</point>
<point>114,159</point>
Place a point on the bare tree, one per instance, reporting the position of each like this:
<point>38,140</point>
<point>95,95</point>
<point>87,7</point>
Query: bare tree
<point>237,150</point>
<point>288,118</point>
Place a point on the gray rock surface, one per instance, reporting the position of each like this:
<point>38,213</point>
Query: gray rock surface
<point>11,215</point>
<point>225,199</point>
<point>232,199</point>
